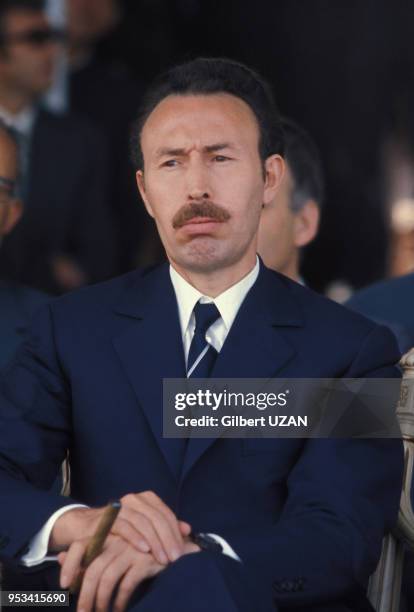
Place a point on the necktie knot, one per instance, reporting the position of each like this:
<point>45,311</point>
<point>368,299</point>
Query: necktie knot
<point>205,315</point>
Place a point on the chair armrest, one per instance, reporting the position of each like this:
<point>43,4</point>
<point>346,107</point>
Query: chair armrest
<point>405,414</point>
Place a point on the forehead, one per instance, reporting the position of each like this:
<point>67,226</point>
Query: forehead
<point>192,120</point>
<point>20,20</point>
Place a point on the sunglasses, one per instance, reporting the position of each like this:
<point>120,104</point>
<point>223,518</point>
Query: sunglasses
<point>38,37</point>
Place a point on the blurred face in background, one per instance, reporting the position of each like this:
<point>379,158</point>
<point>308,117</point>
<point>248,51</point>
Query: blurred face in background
<point>89,20</point>
<point>203,180</point>
<point>27,59</point>
<point>10,206</point>
<point>284,231</point>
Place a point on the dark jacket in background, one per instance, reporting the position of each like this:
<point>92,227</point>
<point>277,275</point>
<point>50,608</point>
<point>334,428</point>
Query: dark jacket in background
<point>17,305</point>
<point>391,303</point>
<point>108,95</point>
<point>66,205</point>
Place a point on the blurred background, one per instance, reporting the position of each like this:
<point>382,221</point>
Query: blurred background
<point>343,71</point>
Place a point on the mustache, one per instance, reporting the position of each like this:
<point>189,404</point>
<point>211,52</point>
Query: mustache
<point>199,209</point>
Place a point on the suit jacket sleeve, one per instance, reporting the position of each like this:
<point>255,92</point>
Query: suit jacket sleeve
<point>34,435</point>
<point>343,496</point>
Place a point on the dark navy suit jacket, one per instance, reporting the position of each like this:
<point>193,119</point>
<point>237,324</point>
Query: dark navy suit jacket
<point>17,306</point>
<point>67,211</point>
<point>306,516</point>
<point>391,303</point>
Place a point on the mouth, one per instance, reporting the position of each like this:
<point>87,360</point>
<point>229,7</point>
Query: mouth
<point>200,225</point>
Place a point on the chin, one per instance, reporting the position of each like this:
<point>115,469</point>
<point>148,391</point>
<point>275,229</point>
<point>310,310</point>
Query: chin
<point>206,257</point>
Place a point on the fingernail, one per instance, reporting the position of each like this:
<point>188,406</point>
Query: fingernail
<point>174,554</point>
<point>63,581</point>
<point>143,546</point>
<point>163,558</point>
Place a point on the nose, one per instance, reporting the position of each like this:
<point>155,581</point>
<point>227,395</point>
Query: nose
<point>197,182</point>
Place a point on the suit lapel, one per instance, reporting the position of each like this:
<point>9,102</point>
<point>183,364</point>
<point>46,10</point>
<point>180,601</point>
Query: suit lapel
<point>256,346</point>
<point>13,315</point>
<point>151,349</point>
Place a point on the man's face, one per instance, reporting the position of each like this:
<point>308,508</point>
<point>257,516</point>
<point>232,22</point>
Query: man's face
<point>88,20</point>
<point>10,207</point>
<point>283,232</point>
<point>276,243</point>
<point>25,65</point>
<point>203,179</point>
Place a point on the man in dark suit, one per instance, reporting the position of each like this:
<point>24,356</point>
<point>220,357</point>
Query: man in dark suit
<point>291,221</point>
<point>104,91</point>
<point>66,238</point>
<point>391,303</point>
<point>293,523</point>
<point>17,303</point>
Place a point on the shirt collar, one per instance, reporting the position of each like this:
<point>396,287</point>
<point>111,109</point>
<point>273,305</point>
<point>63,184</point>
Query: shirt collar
<point>228,302</point>
<point>22,122</point>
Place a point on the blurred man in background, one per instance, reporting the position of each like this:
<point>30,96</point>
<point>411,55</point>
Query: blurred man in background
<point>390,302</point>
<point>17,303</point>
<point>66,237</point>
<point>104,91</point>
<point>291,220</point>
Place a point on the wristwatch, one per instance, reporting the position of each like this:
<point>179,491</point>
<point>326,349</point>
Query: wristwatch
<point>206,542</point>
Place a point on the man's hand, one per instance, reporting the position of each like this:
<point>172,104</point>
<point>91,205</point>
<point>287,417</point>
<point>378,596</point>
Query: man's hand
<point>119,569</point>
<point>144,521</point>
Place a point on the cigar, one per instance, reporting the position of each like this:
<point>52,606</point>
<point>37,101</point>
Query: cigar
<point>96,542</point>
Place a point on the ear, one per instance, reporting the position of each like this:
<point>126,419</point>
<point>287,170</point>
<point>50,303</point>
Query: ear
<point>13,215</point>
<point>306,224</point>
<point>141,187</point>
<point>274,171</point>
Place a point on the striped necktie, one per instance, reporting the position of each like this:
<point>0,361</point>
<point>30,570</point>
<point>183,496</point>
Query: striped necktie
<point>202,355</point>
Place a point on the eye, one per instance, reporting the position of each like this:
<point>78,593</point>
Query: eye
<point>170,163</point>
<point>220,158</point>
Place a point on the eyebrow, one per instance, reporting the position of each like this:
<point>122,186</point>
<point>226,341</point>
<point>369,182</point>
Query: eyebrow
<point>219,146</point>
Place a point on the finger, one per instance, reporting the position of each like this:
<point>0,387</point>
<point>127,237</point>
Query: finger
<point>167,534</point>
<point>185,528</point>
<point>190,548</point>
<point>132,579</point>
<point>144,525</point>
<point>126,530</point>
<point>164,520</point>
<point>72,563</point>
<point>93,574</point>
<point>156,502</point>
<point>61,558</point>
<point>110,578</point>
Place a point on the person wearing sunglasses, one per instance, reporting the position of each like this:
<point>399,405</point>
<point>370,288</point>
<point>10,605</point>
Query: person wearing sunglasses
<point>64,164</point>
<point>17,303</point>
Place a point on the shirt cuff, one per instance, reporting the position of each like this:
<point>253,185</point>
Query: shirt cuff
<point>39,544</point>
<point>227,549</point>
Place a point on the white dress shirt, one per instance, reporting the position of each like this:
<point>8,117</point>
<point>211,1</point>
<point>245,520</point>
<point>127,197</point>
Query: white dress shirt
<point>22,122</point>
<point>228,304</point>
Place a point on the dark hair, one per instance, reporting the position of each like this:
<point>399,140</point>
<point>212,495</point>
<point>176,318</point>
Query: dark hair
<point>304,161</point>
<point>7,6</point>
<point>206,76</point>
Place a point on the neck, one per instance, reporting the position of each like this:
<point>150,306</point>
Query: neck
<point>290,269</point>
<point>215,282</point>
<point>12,100</point>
